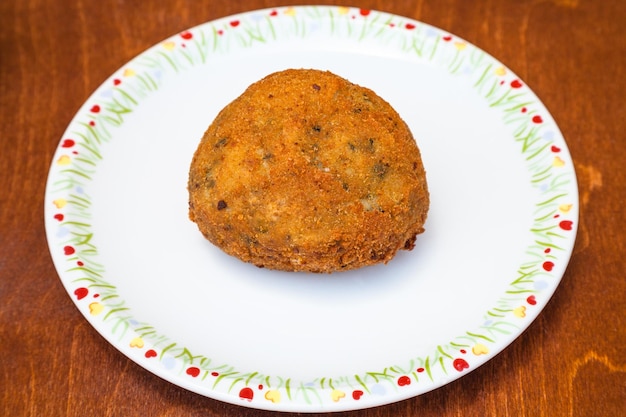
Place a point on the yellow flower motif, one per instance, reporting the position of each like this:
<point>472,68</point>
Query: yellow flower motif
<point>137,342</point>
<point>480,349</point>
<point>337,395</point>
<point>129,72</point>
<point>169,45</point>
<point>500,71</point>
<point>520,312</point>
<point>59,203</point>
<point>460,45</point>
<point>343,10</point>
<point>565,208</point>
<point>558,162</point>
<point>64,160</point>
<point>95,308</point>
<point>290,11</point>
<point>273,396</point>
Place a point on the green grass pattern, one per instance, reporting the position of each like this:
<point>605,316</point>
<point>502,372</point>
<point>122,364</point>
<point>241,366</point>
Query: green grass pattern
<point>492,82</point>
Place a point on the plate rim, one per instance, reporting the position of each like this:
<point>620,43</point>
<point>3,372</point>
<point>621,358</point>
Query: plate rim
<point>136,347</point>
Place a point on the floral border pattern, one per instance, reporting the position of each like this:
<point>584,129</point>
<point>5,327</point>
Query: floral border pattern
<point>550,168</point>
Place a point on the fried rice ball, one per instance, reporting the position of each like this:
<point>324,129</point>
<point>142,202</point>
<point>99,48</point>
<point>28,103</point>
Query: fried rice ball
<point>306,171</point>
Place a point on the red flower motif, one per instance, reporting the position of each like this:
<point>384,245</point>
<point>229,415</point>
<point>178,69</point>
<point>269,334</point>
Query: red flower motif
<point>246,394</point>
<point>193,371</point>
<point>404,380</point>
<point>460,364</point>
<point>81,293</point>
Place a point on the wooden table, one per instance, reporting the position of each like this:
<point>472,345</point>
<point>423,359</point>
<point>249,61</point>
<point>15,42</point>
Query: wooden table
<point>570,362</point>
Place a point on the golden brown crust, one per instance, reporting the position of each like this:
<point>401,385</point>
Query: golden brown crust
<point>306,171</point>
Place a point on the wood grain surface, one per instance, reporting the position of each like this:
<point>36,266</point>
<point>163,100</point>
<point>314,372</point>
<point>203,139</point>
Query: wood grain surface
<point>570,362</point>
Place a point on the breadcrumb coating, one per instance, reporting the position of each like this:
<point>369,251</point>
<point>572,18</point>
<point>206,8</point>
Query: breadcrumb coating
<point>306,171</point>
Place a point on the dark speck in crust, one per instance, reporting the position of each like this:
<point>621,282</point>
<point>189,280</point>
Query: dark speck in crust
<point>221,142</point>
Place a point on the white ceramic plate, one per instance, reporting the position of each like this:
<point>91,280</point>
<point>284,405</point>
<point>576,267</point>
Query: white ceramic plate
<point>498,238</point>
